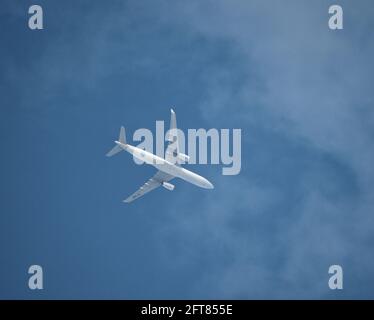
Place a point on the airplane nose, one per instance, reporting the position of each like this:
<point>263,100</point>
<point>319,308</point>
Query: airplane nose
<point>208,185</point>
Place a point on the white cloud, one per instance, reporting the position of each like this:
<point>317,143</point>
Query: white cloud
<point>305,82</point>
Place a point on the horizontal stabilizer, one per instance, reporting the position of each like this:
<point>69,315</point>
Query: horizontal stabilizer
<point>121,140</point>
<point>114,151</point>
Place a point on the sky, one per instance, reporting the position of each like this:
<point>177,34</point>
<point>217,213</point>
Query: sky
<point>302,95</point>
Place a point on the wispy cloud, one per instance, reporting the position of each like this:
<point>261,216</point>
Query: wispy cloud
<point>310,88</point>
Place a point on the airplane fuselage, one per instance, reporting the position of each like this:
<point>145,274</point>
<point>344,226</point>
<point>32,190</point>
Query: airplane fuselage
<point>166,166</point>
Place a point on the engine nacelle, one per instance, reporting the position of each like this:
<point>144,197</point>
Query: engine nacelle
<point>183,157</point>
<point>168,186</point>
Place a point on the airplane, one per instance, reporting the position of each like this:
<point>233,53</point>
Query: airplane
<point>168,168</point>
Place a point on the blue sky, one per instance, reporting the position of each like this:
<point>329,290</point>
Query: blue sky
<point>301,93</point>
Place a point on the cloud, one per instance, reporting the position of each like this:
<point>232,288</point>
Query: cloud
<point>298,80</point>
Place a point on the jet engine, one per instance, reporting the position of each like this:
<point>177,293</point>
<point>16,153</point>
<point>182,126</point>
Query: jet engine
<point>168,186</point>
<point>183,157</point>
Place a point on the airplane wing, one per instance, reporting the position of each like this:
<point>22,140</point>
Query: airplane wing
<point>150,185</point>
<point>172,149</point>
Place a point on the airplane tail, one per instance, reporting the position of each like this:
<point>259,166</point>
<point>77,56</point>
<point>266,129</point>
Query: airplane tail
<point>117,148</point>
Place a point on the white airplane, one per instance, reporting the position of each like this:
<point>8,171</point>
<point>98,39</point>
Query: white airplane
<point>168,168</point>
